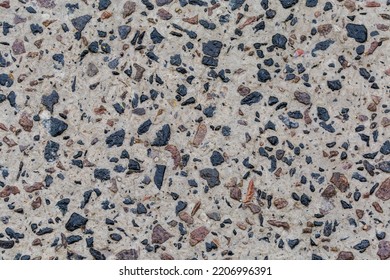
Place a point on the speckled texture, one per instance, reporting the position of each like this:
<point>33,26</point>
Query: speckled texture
<point>162,129</point>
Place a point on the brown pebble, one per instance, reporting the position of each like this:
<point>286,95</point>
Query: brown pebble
<point>384,250</point>
<point>128,8</point>
<point>106,15</point>
<point>302,97</point>
<point>196,208</point>
<point>372,4</point>
<point>8,190</point>
<point>5,4</point>
<point>164,14</point>
<point>340,181</point>
<point>18,47</point>
<point>198,235</point>
<point>385,121</point>
<point>324,29</point>
<point>276,223</point>
<point>191,20</point>
<point>383,191</point>
<point>377,207</point>
<point>34,187</point>
<point>25,122</point>
<point>175,154</point>
<point>200,134</point>
<point>11,143</point>
<point>306,116</point>
<point>160,235</point>
<point>241,225</point>
<point>166,256</point>
<point>131,254</point>
<point>359,213</point>
<point>345,255</point>
<point>255,208</point>
<point>243,90</point>
<point>280,203</point>
<point>36,203</point>
<point>350,5</point>
<point>37,242</point>
<point>184,216</point>
<point>235,193</point>
<point>329,192</point>
<point>139,72</point>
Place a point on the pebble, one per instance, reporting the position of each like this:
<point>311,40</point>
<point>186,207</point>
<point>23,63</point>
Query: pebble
<point>75,221</point>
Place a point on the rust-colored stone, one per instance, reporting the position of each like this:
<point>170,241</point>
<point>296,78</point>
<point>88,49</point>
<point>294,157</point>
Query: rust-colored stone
<point>36,203</point>
<point>128,8</point>
<point>191,20</point>
<point>340,181</point>
<point>35,187</point>
<point>8,190</point>
<point>276,223</point>
<point>280,203</point>
<point>175,154</point>
<point>329,192</point>
<point>325,29</point>
<point>160,235</point>
<point>345,255</point>
<point>164,14</point>
<point>255,208</point>
<point>359,213</point>
<point>200,134</point>
<point>198,235</point>
<point>196,208</point>
<point>235,193</point>
<point>383,191</point>
<point>166,256</point>
<point>183,215</point>
<point>250,192</point>
<point>10,143</point>
<point>25,122</point>
<point>377,207</point>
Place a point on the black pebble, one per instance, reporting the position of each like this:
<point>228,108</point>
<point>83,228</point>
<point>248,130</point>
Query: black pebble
<point>50,152</point>
<point>279,41</point>
<point>362,246</point>
<point>292,243</point>
<point>162,136</point>
<point>252,98</point>
<point>216,158</point>
<point>159,175</point>
<point>323,114</point>
<point>334,85</point>
<point>263,75</point>
<point>102,174</point>
<point>357,32</point>
<point>181,205</point>
<point>75,221</point>
<point>50,100</point>
<point>116,138</point>
<point>141,209</point>
<point>56,126</point>
<point>211,175</point>
<point>80,22</point>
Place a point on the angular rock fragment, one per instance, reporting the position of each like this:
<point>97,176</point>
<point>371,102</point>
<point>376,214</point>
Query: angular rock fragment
<point>383,191</point>
<point>198,235</point>
<point>211,175</point>
<point>75,221</point>
<point>160,235</point>
<point>340,181</point>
